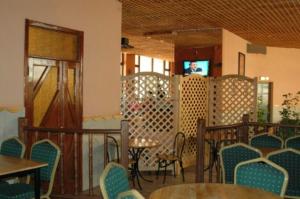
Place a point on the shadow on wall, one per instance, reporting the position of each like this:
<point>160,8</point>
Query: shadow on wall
<point>9,121</point>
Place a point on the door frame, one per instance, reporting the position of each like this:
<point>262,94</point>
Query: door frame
<point>27,94</point>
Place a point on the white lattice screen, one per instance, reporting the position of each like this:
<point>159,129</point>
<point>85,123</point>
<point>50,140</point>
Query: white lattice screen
<point>231,96</point>
<point>147,101</point>
<point>193,104</point>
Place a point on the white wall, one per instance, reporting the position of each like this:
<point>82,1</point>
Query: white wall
<point>281,65</point>
<point>101,22</point>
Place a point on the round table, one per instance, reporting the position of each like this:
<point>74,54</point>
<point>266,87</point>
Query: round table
<point>136,148</point>
<point>210,191</point>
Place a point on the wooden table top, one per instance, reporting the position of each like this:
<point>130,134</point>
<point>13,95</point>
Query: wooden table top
<point>9,165</point>
<point>210,191</point>
<point>143,143</point>
<point>266,150</point>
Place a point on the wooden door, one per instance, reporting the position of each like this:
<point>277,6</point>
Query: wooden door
<point>53,93</point>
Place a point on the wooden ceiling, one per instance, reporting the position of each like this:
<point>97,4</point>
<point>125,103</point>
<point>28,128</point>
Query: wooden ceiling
<point>154,27</point>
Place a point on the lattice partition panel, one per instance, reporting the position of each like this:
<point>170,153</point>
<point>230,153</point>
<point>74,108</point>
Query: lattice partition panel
<point>147,101</point>
<point>231,96</point>
<point>193,104</point>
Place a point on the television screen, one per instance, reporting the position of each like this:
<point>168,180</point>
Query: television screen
<point>200,67</point>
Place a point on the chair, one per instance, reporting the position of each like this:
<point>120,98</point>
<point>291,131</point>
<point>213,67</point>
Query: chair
<point>113,147</point>
<point>165,160</point>
<point>113,180</point>
<point>264,140</point>
<point>131,194</point>
<point>262,174</point>
<point>289,159</point>
<point>293,142</point>
<point>41,151</point>
<point>13,147</point>
<point>233,154</point>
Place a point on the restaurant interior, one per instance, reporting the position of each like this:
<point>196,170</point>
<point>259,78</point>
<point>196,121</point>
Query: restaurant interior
<point>134,99</point>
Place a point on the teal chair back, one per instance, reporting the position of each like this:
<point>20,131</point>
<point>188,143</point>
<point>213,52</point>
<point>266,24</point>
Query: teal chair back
<point>13,147</point>
<point>289,159</point>
<point>113,181</point>
<point>46,151</point>
<point>232,155</point>
<point>265,140</point>
<point>293,142</point>
<point>262,174</point>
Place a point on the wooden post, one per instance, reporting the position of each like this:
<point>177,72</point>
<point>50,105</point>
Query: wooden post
<point>200,150</point>
<point>22,122</point>
<point>245,129</point>
<point>124,142</point>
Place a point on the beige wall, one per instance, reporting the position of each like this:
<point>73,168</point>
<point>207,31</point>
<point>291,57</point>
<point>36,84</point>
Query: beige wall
<point>101,22</point>
<point>281,65</point>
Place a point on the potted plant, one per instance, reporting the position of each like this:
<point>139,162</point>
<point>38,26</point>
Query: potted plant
<point>290,113</point>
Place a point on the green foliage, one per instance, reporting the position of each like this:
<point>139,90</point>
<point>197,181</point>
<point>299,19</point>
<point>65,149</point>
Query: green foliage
<point>289,113</point>
<point>261,111</point>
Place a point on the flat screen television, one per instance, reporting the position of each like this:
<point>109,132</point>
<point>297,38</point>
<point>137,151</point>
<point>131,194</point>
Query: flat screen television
<point>200,67</point>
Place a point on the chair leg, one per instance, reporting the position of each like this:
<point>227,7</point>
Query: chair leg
<point>182,171</point>
<point>158,168</point>
<point>174,169</point>
<point>165,173</point>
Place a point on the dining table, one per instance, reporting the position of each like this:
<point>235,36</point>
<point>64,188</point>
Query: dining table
<point>266,150</point>
<point>17,167</point>
<point>210,191</point>
<point>136,148</point>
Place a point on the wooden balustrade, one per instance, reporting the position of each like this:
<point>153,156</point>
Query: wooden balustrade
<point>224,135</point>
<point>68,180</point>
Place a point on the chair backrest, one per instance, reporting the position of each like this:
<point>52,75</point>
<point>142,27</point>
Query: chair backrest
<point>265,140</point>
<point>262,174</point>
<point>289,159</point>
<point>46,151</point>
<point>232,155</point>
<point>293,142</point>
<point>113,180</point>
<point>13,147</point>
<point>178,145</point>
<point>131,194</point>
<point>113,147</point>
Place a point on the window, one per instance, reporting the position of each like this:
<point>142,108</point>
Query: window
<point>145,64</point>
<point>149,64</point>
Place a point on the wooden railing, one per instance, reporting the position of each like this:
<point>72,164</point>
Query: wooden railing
<point>68,180</point>
<point>218,136</point>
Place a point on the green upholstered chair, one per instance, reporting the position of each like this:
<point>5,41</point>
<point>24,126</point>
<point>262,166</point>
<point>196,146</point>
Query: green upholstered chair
<point>13,147</point>
<point>233,154</point>
<point>41,151</point>
<point>293,142</point>
<point>131,194</point>
<point>113,181</point>
<point>262,174</point>
<point>289,159</point>
<point>264,140</point>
